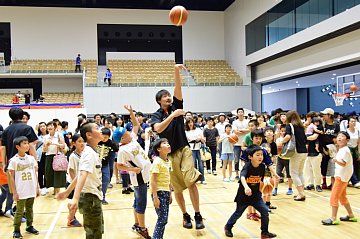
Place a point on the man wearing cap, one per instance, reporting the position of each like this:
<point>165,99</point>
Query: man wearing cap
<point>168,122</point>
<point>328,138</point>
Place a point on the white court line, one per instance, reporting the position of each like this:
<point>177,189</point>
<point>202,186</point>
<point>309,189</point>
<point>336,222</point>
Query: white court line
<point>53,223</point>
<point>357,208</point>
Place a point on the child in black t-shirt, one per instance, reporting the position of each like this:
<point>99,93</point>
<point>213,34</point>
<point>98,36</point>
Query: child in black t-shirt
<point>106,147</point>
<point>211,135</point>
<point>249,194</point>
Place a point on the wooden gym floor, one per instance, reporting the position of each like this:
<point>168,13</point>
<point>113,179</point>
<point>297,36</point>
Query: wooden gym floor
<point>291,219</point>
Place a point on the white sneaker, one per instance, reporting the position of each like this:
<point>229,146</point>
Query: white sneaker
<point>43,191</point>
<point>209,171</point>
<point>204,182</point>
<point>231,179</point>
<point>9,214</point>
<point>214,173</point>
<point>357,185</point>
<point>226,180</point>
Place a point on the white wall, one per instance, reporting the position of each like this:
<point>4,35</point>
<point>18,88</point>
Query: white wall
<point>140,55</point>
<point>197,99</point>
<point>62,33</point>
<point>62,84</point>
<point>283,99</point>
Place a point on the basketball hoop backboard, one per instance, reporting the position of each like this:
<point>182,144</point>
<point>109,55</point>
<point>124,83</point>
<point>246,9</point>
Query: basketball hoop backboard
<point>344,83</point>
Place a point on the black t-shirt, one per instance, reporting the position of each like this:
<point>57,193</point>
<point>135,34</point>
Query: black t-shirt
<point>312,144</point>
<point>16,129</point>
<point>106,150</point>
<point>27,98</point>
<point>175,132</point>
<point>300,137</point>
<point>330,132</point>
<point>253,178</point>
<point>1,130</point>
<point>210,135</point>
<point>272,146</point>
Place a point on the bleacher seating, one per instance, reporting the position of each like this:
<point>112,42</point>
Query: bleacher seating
<point>51,98</point>
<point>213,72</point>
<point>142,72</point>
<point>48,66</point>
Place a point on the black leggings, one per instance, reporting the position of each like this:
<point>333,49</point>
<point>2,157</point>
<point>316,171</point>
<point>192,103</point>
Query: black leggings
<point>41,172</point>
<point>324,164</point>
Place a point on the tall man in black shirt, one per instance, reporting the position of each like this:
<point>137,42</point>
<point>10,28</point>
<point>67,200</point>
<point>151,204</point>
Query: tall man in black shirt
<point>168,122</point>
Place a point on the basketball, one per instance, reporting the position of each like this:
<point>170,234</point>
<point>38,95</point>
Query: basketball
<point>233,138</point>
<point>354,88</point>
<point>178,15</point>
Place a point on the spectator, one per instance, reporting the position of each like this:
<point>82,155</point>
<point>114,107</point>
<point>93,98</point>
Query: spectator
<point>108,76</point>
<point>27,97</point>
<point>26,117</point>
<point>15,99</point>
<point>78,63</point>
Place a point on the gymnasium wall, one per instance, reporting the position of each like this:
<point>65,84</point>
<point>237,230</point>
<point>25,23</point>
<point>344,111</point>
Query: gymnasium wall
<point>62,84</point>
<point>276,100</point>
<point>62,33</point>
<point>197,99</point>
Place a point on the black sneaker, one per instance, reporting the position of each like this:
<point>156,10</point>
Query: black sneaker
<point>309,187</point>
<point>187,221</point>
<point>228,231</point>
<point>32,230</point>
<point>17,235</point>
<point>104,202</point>
<point>318,188</point>
<point>125,191</point>
<point>130,190</point>
<point>143,232</point>
<point>267,235</point>
<point>199,222</point>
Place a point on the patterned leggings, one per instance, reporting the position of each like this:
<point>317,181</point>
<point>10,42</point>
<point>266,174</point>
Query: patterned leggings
<point>163,214</point>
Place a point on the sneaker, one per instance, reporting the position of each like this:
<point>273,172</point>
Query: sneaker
<point>274,192</point>
<point>318,188</point>
<point>199,222</point>
<point>110,185</point>
<point>135,227</point>
<point>237,177</point>
<point>348,219</point>
<point>272,206</point>
<point>2,213</point>
<point>209,171</point>
<point>32,230</point>
<point>43,191</point>
<point>187,221</point>
<point>118,181</point>
<point>226,179</point>
<point>203,182</point>
<point>9,214</point>
<point>125,191</point>
<point>281,180</point>
<point>329,222</point>
<point>74,223</point>
<point>252,217</point>
<point>130,190</point>
<point>309,187</point>
<point>257,215</point>
<point>323,186</point>
<point>329,187</point>
<point>289,192</point>
<point>17,235</point>
<point>214,172</point>
<point>104,202</point>
<point>267,235</point>
<point>144,233</point>
<point>231,179</point>
<point>357,185</point>
<point>228,231</point>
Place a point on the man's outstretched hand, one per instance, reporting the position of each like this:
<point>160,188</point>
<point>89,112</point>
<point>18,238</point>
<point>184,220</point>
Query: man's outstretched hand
<point>180,67</point>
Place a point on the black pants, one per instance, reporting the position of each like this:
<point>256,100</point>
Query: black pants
<point>108,79</point>
<point>324,164</point>
<point>78,67</point>
<point>41,172</point>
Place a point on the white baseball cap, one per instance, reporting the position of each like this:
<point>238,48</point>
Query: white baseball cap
<point>327,111</point>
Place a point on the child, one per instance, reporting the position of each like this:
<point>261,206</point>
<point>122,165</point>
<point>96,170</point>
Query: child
<point>343,172</point>
<point>24,185</point>
<point>282,162</point>
<point>132,158</point>
<point>88,194</point>
<point>5,191</point>
<point>105,149</point>
<point>314,127</point>
<point>160,185</point>
<point>253,125</point>
<point>211,135</point>
<point>227,153</point>
<point>248,193</point>
<point>74,159</point>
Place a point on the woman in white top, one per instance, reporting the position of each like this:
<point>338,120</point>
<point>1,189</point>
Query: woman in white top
<point>354,145</point>
<point>53,144</point>
<point>42,132</point>
<point>195,137</point>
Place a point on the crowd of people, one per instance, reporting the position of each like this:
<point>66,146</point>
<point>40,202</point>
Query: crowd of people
<point>164,153</point>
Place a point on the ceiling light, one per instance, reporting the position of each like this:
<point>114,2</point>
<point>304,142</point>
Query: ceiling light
<point>333,78</point>
<point>296,82</point>
<point>269,87</point>
<point>334,74</point>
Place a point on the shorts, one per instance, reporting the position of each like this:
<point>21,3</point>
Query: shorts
<point>140,198</point>
<point>227,156</point>
<point>183,172</point>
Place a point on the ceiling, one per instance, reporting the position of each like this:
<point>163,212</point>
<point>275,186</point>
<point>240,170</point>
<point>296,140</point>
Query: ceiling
<point>203,5</point>
<point>319,79</point>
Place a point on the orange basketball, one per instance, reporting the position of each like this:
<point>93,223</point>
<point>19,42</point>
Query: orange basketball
<point>354,88</point>
<point>233,138</point>
<point>178,15</point>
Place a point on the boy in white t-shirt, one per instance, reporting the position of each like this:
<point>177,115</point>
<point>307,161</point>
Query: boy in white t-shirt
<point>132,158</point>
<point>343,172</point>
<point>24,185</point>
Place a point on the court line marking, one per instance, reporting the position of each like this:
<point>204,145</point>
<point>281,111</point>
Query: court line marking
<point>328,198</point>
<point>54,221</point>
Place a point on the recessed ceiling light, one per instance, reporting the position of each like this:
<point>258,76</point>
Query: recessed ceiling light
<point>333,78</point>
<point>296,82</point>
<point>269,87</point>
<point>334,74</point>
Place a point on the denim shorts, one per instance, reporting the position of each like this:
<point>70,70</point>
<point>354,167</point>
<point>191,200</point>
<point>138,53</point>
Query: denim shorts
<point>140,200</point>
<point>227,156</point>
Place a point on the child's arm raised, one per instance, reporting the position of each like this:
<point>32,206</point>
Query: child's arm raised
<point>134,121</point>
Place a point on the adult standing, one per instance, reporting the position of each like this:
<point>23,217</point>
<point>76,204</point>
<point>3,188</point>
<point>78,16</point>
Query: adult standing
<point>108,76</point>
<point>240,128</point>
<point>16,129</point>
<point>78,63</point>
<point>295,127</point>
<point>168,122</point>
<point>327,140</point>
<point>354,145</point>
<point>42,132</point>
<point>27,97</point>
<point>221,128</point>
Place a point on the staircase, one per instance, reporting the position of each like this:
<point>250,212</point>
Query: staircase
<point>100,76</point>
